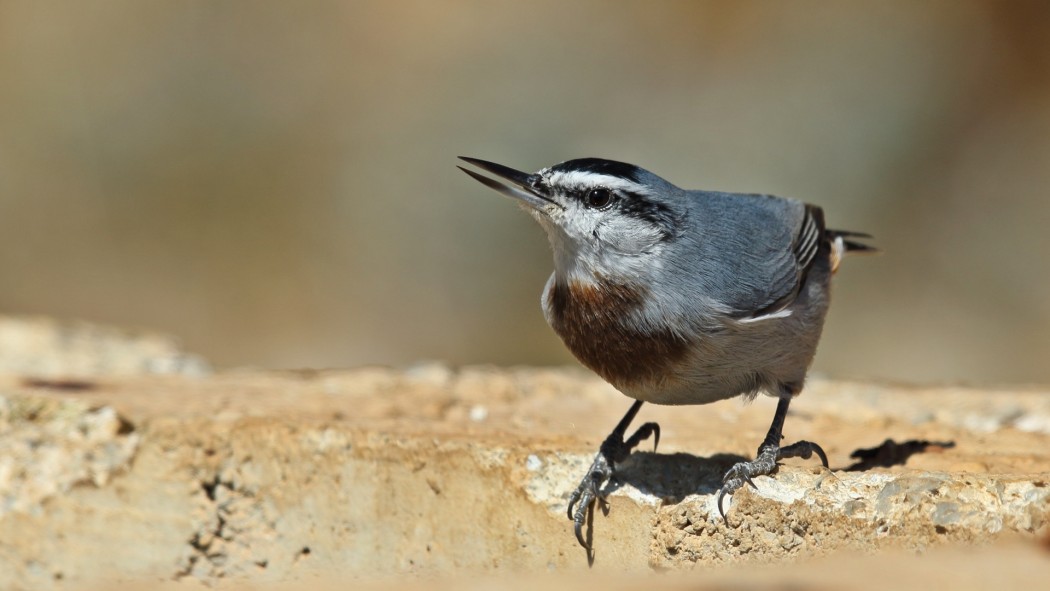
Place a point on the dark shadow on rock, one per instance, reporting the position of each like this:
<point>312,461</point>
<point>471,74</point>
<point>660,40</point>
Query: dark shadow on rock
<point>672,477</point>
<point>62,385</point>
<point>890,453</point>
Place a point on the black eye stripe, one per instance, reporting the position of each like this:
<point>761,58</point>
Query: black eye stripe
<point>631,204</point>
<point>658,214</point>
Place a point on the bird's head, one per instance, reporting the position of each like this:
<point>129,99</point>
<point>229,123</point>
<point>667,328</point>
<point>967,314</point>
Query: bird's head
<point>603,218</point>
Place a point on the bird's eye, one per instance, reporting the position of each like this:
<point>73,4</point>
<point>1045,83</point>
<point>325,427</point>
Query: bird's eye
<point>599,198</point>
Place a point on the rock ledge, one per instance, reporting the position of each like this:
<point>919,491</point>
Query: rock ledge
<point>371,473</point>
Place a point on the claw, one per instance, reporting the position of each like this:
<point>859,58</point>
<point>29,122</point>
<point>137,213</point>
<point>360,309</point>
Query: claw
<point>765,463</point>
<point>820,453</point>
<point>804,450</point>
<point>750,482</point>
<point>583,498</point>
<point>721,495</point>
<point>578,521</point>
<point>586,498</point>
<point>573,498</point>
<point>734,479</point>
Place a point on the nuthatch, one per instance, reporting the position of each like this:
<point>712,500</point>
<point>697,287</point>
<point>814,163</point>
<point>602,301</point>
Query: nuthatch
<point>679,297</point>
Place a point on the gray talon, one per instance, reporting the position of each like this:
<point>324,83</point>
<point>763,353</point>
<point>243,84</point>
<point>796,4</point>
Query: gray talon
<point>764,465</point>
<point>614,450</point>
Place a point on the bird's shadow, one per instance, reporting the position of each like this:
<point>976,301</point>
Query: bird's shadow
<point>891,453</point>
<point>672,477</point>
<point>669,477</point>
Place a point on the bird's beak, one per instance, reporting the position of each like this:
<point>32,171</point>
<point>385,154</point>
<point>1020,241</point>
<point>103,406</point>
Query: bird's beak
<point>524,187</point>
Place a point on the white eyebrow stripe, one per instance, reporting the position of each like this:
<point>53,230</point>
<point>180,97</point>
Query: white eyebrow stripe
<point>577,178</point>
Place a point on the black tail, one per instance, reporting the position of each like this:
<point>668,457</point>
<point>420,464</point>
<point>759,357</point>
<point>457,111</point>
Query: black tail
<point>851,245</point>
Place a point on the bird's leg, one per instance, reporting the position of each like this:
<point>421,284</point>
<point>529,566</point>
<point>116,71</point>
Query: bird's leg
<point>769,453</point>
<point>613,450</point>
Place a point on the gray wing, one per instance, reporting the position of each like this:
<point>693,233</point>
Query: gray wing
<point>754,250</point>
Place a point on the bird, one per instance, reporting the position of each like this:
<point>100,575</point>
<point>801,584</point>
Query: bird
<point>679,297</point>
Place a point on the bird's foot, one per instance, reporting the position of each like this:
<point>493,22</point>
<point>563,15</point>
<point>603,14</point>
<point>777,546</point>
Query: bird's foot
<point>614,450</point>
<point>765,464</point>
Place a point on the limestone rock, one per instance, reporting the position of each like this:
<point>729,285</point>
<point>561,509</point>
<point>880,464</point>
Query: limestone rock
<point>374,473</point>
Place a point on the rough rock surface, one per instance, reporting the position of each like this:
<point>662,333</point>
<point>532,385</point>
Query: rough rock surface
<point>43,348</point>
<point>372,473</point>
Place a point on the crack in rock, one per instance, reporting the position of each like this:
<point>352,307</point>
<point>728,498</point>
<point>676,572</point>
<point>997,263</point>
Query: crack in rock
<point>232,523</point>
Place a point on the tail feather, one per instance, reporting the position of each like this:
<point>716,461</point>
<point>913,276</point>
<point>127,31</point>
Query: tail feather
<point>851,245</point>
<point>858,247</point>
<point>840,246</point>
<point>834,233</point>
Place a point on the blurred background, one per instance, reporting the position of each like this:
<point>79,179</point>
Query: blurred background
<point>275,182</point>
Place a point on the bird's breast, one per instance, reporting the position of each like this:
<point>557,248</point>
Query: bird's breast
<point>600,322</point>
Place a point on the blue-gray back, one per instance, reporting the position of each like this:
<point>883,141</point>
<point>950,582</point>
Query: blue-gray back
<point>739,247</point>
